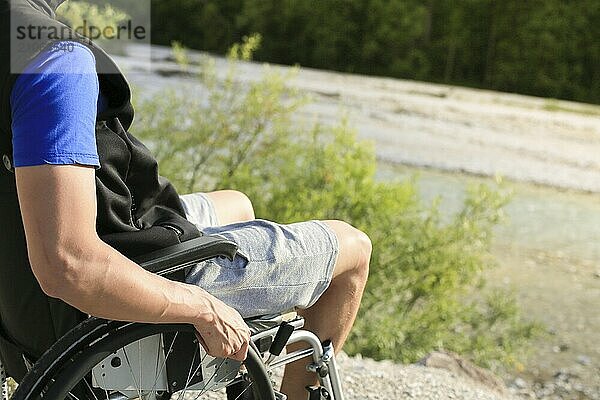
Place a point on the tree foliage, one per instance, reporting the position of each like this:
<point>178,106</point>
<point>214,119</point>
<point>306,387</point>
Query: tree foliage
<point>425,273</point>
<point>547,48</point>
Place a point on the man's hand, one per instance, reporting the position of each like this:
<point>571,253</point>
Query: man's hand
<point>222,331</point>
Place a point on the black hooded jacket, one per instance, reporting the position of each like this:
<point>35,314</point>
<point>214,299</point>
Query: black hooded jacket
<point>138,211</point>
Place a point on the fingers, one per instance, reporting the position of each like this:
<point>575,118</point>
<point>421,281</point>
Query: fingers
<point>224,333</point>
<point>234,348</point>
<point>242,353</point>
<point>202,342</point>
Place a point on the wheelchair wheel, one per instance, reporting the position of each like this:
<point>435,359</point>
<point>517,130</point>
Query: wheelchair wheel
<point>3,384</point>
<point>74,367</point>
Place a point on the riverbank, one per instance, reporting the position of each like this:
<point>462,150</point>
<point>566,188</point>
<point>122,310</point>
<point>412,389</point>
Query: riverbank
<point>523,138</point>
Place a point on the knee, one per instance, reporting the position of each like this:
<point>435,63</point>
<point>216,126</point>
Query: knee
<point>364,248</point>
<point>355,249</point>
<point>244,207</point>
<point>359,272</point>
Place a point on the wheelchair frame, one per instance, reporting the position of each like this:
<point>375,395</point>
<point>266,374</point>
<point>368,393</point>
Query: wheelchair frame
<point>270,335</point>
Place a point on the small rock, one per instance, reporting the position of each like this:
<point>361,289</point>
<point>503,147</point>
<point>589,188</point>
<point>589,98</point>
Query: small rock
<point>556,349</point>
<point>546,391</point>
<point>461,367</point>
<point>584,360</point>
<point>561,374</point>
<point>560,348</point>
<point>520,383</point>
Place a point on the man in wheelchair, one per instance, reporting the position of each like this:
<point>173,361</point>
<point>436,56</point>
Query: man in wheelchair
<point>80,198</point>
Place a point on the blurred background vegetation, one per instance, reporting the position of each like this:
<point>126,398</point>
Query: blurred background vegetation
<point>548,48</point>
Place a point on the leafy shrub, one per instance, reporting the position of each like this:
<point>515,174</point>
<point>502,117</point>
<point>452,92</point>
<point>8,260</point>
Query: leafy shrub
<point>75,13</point>
<point>425,279</point>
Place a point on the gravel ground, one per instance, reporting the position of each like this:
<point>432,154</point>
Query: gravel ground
<point>366,379</point>
<point>565,385</point>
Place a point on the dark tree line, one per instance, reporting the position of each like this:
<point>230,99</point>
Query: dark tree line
<point>547,48</point>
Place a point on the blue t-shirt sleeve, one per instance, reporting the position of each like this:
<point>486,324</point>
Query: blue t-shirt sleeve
<point>54,107</point>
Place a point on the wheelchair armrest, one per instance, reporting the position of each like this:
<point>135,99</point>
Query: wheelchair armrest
<point>188,253</point>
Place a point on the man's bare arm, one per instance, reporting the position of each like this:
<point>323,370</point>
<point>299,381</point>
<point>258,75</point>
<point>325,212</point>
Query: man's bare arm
<point>58,204</point>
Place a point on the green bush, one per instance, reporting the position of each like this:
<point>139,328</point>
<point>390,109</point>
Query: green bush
<point>75,13</point>
<point>425,279</point>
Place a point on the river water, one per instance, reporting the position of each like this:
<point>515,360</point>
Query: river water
<point>538,219</point>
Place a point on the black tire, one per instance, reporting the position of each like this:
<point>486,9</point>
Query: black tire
<point>3,383</point>
<point>65,368</point>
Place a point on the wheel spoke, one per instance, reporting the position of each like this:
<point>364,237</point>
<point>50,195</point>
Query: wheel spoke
<point>190,374</point>
<point>158,343</point>
<point>72,395</point>
<point>90,388</point>
<point>244,391</point>
<point>137,387</point>
<point>202,392</point>
<point>140,361</point>
<point>164,362</point>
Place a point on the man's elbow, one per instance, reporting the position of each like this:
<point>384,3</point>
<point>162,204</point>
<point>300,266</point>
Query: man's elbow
<point>60,275</point>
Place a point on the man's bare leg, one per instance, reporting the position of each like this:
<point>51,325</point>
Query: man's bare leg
<point>332,316</point>
<point>231,206</point>
<point>340,300</point>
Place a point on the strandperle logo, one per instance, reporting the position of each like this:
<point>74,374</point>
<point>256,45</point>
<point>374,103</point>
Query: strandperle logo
<point>124,31</point>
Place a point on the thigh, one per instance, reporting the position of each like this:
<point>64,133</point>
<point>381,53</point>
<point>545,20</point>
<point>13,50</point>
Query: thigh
<point>277,267</point>
<point>199,210</point>
<point>217,208</point>
<point>231,206</point>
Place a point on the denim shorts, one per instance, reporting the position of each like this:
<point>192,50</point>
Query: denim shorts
<point>277,267</point>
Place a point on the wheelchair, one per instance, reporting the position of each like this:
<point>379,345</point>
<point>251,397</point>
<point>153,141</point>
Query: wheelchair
<point>112,360</point>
